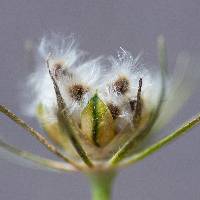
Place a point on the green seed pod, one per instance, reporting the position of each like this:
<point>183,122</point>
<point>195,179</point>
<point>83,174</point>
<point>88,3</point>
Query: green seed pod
<point>97,122</point>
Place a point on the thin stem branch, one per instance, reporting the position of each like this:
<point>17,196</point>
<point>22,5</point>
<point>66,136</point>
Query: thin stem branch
<point>31,160</point>
<point>69,129</point>
<point>166,140</point>
<point>37,135</point>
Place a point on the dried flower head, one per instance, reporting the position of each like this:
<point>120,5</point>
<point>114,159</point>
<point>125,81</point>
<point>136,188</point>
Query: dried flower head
<point>96,118</point>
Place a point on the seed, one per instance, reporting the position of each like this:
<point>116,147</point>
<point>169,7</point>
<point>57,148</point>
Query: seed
<point>121,86</point>
<point>132,104</point>
<point>57,70</point>
<point>77,92</point>
<point>115,110</point>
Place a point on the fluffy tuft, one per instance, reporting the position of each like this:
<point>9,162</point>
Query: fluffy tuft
<point>80,78</point>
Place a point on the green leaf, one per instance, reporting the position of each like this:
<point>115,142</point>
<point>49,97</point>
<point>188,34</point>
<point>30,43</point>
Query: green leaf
<point>97,122</point>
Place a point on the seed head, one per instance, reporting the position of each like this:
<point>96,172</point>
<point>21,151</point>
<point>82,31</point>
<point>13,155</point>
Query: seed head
<point>92,110</point>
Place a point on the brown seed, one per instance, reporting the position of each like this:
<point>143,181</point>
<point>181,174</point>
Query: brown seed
<point>115,110</point>
<point>57,70</point>
<point>121,86</point>
<point>133,104</point>
<point>77,92</point>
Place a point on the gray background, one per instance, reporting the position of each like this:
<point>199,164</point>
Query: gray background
<point>101,26</point>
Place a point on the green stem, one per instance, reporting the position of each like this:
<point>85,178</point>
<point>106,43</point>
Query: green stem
<point>101,185</point>
<point>37,135</point>
<point>166,140</point>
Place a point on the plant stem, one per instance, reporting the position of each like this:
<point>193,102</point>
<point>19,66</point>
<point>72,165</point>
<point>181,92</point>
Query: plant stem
<point>101,185</point>
<point>166,140</point>
<point>37,135</point>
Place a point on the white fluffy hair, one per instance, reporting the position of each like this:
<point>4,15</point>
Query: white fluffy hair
<point>90,74</point>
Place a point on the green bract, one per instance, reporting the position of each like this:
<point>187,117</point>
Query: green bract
<point>97,122</point>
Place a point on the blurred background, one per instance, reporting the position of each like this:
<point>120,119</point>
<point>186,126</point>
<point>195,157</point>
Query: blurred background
<point>101,26</point>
